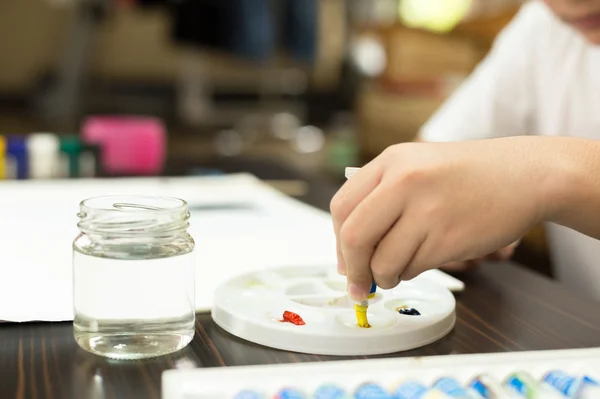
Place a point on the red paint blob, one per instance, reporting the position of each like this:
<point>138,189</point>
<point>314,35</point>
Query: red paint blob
<point>291,317</point>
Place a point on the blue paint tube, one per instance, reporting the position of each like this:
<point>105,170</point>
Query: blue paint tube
<point>416,390</point>
<point>330,392</point>
<point>290,393</point>
<point>523,385</point>
<point>484,386</point>
<point>371,391</point>
<point>572,387</point>
<point>452,388</point>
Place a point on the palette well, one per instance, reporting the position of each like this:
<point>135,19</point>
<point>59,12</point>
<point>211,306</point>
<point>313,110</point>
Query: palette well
<point>252,307</point>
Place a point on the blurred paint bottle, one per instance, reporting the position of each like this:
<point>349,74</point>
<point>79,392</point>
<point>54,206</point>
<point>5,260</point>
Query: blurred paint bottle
<point>2,157</point>
<point>89,161</point>
<point>16,163</point>
<point>78,159</point>
<point>44,155</point>
<point>70,148</point>
<point>131,145</point>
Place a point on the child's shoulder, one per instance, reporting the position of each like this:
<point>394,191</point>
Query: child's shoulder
<point>536,16</point>
<point>535,26</point>
<point>535,8</point>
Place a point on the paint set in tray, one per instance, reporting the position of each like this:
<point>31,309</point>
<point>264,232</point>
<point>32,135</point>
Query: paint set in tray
<point>307,309</point>
<point>532,375</point>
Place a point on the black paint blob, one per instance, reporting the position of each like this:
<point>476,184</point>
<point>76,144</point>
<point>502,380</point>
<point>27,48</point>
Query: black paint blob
<point>409,312</point>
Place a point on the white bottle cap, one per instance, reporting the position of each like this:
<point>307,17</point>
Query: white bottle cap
<point>351,171</point>
<point>43,142</point>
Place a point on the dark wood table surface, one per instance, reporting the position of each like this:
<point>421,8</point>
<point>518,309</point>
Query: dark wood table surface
<point>504,308</point>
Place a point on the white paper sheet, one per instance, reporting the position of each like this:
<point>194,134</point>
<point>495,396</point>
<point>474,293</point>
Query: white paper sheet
<point>39,222</point>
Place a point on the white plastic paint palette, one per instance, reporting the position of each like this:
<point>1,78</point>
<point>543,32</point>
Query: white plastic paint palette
<point>251,307</point>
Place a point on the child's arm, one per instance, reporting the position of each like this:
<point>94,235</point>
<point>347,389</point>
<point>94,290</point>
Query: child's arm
<point>418,206</point>
<point>572,190</point>
<point>497,100</point>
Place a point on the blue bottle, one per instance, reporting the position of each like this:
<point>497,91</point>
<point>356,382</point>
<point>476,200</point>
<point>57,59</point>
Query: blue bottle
<point>16,156</point>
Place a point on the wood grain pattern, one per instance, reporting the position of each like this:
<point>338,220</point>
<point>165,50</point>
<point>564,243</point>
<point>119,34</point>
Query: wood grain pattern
<point>504,308</point>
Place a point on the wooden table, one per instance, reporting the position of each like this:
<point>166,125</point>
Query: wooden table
<point>504,308</point>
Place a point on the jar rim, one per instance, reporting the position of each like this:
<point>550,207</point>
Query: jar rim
<point>133,215</point>
<point>133,202</point>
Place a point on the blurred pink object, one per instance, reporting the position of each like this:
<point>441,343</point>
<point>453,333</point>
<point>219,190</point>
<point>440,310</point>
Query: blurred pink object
<point>130,145</point>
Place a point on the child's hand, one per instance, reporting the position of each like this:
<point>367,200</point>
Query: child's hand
<point>420,206</point>
<point>501,254</point>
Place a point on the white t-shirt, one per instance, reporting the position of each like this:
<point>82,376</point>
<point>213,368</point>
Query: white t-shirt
<point>540,78</point>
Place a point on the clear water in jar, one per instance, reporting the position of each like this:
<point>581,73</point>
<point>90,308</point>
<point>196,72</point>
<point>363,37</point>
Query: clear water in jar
<point>133,308</point>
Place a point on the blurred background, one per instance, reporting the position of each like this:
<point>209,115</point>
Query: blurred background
<point>192,87</point>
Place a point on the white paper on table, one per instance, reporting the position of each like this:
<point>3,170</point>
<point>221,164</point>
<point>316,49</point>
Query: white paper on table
<point>39,224</point>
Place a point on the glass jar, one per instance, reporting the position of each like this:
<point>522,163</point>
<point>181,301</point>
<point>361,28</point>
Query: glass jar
<point>133,277</point>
